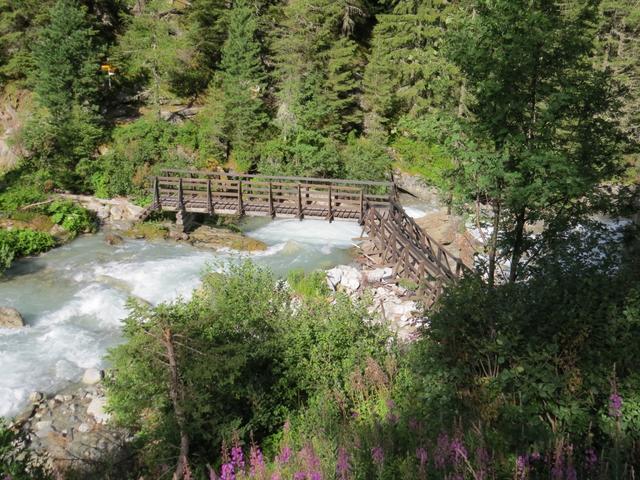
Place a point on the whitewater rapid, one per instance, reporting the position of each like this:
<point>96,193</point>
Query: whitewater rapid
<point>73,298</point>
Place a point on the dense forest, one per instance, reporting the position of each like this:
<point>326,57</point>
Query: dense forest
<point>519,113</point>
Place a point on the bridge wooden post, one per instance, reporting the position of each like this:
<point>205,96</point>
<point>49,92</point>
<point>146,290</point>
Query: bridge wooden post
<point>240,204</point>
<point>299,203</point>
<point>272,210</point>
<point>330,214</point>
<point>361,219</point>
<point>180,195</point>
<point>209,199</point>
<point>157,204</point>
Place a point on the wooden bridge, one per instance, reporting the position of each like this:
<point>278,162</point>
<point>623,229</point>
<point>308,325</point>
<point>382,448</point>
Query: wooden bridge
<point>395,239</point>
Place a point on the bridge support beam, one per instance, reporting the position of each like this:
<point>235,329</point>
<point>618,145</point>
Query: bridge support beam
<point>184,220</point>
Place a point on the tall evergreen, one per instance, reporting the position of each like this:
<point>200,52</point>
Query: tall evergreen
<point>541,113</point>
<point>67,85</point>
<point>407,72</point>
<point>243,83</point>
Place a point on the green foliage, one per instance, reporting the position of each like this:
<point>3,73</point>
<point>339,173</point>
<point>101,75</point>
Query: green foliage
<point>20,195</point>
<point>22,242</point>
<point>231,385</point>
<point>366,159</point>
<point>243,83</point>
<point>308,285</point>
<point>542,134</point>
<point>17,462</point>
<point>73,218</point>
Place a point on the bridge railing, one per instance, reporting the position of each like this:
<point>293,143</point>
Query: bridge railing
<point>268,195</point>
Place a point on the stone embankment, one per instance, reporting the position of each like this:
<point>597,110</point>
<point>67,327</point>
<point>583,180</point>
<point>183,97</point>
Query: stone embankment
<point>390,302</point>
<point>118,212</point>
<point>70,430</point>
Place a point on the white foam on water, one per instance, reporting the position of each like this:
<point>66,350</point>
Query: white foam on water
<point>414,212</point>
<point>310,232</point>
<point>75,300</point>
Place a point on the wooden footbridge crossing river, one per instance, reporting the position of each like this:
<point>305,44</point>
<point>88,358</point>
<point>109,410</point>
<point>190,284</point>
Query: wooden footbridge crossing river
<point>396,240</point>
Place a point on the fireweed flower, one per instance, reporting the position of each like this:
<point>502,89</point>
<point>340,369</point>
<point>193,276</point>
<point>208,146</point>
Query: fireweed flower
<point>615,405</point>
<point>482,460</point>
<point>522,467</point>
<point>315,476</point>
<point>276,476</point>
<point>591,458</point>
<point>256,461</point>
<point>557,471</point>
<point>343,467</point>
<point>423,457</point>
<point>377,455</point>
<point>299,476</point>
<point>237,457</point>
<point>227,472</point>
<point>310,458</point>
<point>458,451</point>
<point>442,451</point>
<point>284,456</point>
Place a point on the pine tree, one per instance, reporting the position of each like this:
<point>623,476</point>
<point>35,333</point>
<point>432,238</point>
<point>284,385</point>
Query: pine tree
<point>407,72</point>
<point>243,83</point>
<point>66,81</point>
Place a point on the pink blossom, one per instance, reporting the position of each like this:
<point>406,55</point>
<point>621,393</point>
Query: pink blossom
<point>285,455</point>
<point>343,467</point>
<point>377,454</point>
<point>422,455</point>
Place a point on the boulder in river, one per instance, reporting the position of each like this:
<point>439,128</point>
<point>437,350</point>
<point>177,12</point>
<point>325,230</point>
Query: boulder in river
<point>113,239</point>
<point>91,376</point>
<point>10,318</point>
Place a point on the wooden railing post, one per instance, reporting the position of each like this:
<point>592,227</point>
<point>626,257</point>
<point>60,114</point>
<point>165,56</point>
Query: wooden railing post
<point>299,203</point>
<point>361,219</point>
<point>240,203</point>
<point>209,199</point>
<point>330,214</point>
<point>157,203</point>
<point>272,211</point>
<point>180,195</point>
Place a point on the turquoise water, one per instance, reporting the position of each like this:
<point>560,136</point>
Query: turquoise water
<point>73,298</point>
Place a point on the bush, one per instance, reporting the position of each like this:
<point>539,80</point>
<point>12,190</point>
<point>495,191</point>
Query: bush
<point>309,285</point>
<point>364,159</point>
<point>22,242</point>
<point>16,460</point>
<point>20,195</point>
<point>73,218</point>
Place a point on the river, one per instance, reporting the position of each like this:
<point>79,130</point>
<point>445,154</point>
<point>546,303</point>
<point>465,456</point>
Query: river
<point>73,298</point>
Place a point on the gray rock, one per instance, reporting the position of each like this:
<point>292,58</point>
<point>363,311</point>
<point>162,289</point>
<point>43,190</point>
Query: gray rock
<point>10,318</point>
<point>43,428</point>
<point>113,239</point>
<point>378,274</point>
<point>84,428</point>
<point>91,376</point>
<point>35,397</point>
<point>97,409</point>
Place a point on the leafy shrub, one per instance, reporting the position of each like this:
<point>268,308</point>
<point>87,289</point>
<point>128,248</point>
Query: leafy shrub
<point>20,195</point>
<point>310,285</point>
<point>73,218</point>
<point>16,460</point>
<point>365,159</point>
<point>22,242</point>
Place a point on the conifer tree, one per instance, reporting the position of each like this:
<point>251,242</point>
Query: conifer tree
<point>66,83</point>
<point>407,72</point>
<point>243,83</point>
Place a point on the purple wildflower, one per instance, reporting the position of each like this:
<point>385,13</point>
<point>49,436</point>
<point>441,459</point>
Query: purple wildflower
<point>458,451</point>
<point>237,457</point>
<point>591,458</point>
<point>377,455</point>
<point>414,425</point>
<point>557,471</point>
<point>423,457</point>
<point>442,451</point>
<point>535,456</point>
<point>315,476</point>
<point>285,455</point>
<point>522,467</point>
<point>571,473</point>
<point>299,476</point>
<point>276,476</point>
<point>615,405</point>
<point>256,461</point>
<point>482,460</point>
<point>392,418</point>
<point>343,466</point>
<point>227,472</point>
<point>307,454</point>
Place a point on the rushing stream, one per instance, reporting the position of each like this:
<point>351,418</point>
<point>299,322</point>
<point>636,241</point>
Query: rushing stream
<point>73,298</point>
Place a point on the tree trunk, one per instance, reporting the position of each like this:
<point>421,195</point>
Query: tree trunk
<point>176,391</point>
<point>493,243</point>
<point>517,245</point>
